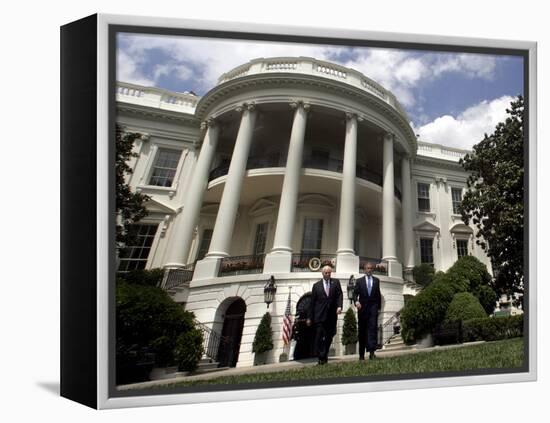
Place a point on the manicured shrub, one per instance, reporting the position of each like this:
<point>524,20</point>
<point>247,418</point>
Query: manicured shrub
<point>423,274</point>
<point>148,321</point>
<point>492,328</point>
<point>263,341</point>
<point>487,297</point>
<point>472,270</point>
<point>349,330</point>
<point>423,312</point>
<point>464,306</point>
<point>188,350</point>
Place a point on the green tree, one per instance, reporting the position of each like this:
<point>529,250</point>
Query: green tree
<point>349,330</point>
<point>263,341</point>
<point>129,205</point>
<point>494,199</point>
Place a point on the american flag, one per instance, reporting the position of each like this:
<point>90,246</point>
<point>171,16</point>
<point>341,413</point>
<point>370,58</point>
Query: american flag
<point>287,323</point>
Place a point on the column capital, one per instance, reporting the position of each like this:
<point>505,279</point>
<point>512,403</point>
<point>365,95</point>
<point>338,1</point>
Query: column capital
<point>245,107</point>
<point>294,104</point>
<point>350,116</point>
<point>208,123</point>
<point>388,136</point>
<point>145,137</point>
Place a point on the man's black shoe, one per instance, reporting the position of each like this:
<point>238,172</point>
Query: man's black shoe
<point>362,358</point>
<point>371,355</point>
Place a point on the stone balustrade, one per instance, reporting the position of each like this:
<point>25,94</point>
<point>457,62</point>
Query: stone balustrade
<point>156,97</point>
<point>310,66</point>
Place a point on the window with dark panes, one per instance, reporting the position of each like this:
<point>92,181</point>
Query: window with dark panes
<point>205,243</point>
<point>260,239</point>
<point>427,251</point>
<point>423,197</point>
<point>462,247</point>
<point>164,169</point>
<point>134,257</point>
<point>456,195</point>
<point>312,237</point>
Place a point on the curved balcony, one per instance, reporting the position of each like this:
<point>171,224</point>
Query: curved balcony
<point>277,160</point>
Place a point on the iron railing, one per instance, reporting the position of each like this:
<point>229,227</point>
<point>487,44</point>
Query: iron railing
<point>178,276</point>
<point>211,341</point>
<point>300,262</point>
<point>389,328</point>
<point>242,265</point>
<point>381,267</point>
<point>279,160</point>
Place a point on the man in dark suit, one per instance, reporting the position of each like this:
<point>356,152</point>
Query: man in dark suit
<point>326,305</point>
<point>368,301</point>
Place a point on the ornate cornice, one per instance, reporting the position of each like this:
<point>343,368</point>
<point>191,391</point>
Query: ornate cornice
<point>210,103</point>
<point>162,114</point>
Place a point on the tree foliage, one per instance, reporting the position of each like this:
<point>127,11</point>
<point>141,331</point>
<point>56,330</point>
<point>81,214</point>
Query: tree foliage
<point>494,199</point>
<point>130,206</point>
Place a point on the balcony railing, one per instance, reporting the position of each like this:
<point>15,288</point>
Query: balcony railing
<point>242,265</point>
<point>211,341</point>
<point>304,263</point>
<point>381,267</point>
<point>278,160</point>
<point>178,276</point>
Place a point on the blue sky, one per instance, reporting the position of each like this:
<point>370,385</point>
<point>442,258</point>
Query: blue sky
<point>451,98</point>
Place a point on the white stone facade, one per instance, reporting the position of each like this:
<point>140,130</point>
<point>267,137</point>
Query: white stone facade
<point>280,144</point>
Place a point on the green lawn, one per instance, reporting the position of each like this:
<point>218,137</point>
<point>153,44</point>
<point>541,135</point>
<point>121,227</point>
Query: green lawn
<point>490,355</point>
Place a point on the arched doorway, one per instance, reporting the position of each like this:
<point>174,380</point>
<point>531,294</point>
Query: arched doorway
<point>303,334</point>
<point>232,331</point>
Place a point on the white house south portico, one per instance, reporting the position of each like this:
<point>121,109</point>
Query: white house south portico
<point>294,159</point>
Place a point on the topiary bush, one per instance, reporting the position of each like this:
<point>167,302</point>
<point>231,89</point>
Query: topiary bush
<point>188,350</point>
<point>464,306</point>
<point>263,341</point>
<point>474,271</point>
<point>349,330</point>
<point>423,274</point>
<point>424,311</point>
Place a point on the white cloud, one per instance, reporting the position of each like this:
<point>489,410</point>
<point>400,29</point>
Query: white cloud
<point>471,65</point>
<point>128,70</point>
<point>469,127</point>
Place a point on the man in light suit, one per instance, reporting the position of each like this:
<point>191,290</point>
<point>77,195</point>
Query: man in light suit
<point>368,301</point>
<point>326,305</point>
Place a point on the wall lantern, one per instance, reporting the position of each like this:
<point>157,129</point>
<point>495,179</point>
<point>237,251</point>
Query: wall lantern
<point>351,287</point>
<point>269,291</point>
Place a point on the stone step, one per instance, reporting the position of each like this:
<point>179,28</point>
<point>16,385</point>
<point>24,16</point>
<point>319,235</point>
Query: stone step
<point>207,365</point>
<point>397,347</point>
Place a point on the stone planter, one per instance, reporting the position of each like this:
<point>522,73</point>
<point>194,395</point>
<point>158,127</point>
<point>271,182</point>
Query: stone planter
<point>351,349</point>
<point>426,342</point>
<point>260,358</point>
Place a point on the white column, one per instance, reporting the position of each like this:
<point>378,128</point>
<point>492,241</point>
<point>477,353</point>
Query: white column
<point>347,261</point>
<point>188,218</point>
<point>406,211</point>
<point>388,210</point>
<point>227,212</point>
<point>280,257</point>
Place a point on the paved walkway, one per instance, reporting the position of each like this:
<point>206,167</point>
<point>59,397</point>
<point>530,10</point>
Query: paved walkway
<point>278,367</point>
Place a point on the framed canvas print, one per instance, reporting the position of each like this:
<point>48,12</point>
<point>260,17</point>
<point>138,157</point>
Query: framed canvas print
<point>266,211</point>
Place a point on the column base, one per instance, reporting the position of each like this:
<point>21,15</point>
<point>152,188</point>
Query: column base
<point>347,263</point>
<point>408,274</point>
<point>395,269</point>
<point>207,268</point>
<point>278,262</point>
